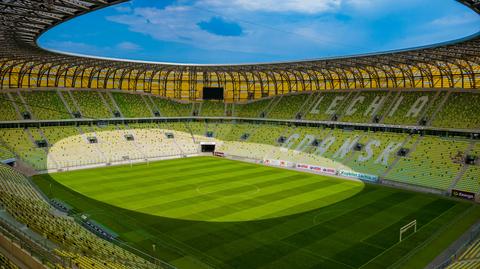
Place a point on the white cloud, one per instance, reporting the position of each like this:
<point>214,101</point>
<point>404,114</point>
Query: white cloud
<point>128,46</point>
<point>298,6</point>
<point>178,23</point>
<point>456,19</point>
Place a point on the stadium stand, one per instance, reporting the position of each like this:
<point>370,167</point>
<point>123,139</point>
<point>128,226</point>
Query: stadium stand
<point>470,181</point>
<point>24,203</point>
<point>19,142</point>
<point>45,105</point>
<point>132,105</point>
<point>90,104</point>
<point>364,106</point>
<point>408,107</point>
<point>170,108</point>
<point>6,263</point>
<point>213,109</point>
<point>324,105</point>
<point>380,151</point>
<point>112,145</point>
<point>5,153</point>
<point>7,109</point>
<point>458,112</point>
<point>434,163</point>
<point>252,109</point>
<point>469,259</point>
<point>288,107</point>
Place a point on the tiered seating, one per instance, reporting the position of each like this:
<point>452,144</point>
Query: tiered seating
<point>171,108</point>
<point>132,105</point>
<point>6,263</point>
<point>220,130</point>
<point>288,107</point>
<point>470,181</point>
<point>267,134</point>
<point>20,143</point>
<point>460,112</point>
<point>252,109</point>
<point>91,104</point>
<point>213,109</point>
<point>339,138</point>
<point>82,261</point>
<point>45,105</point>
<point>113,146</point>
<point>378,143</point>
<point>7,110</point>
<point>432,163</point>
<point>19,102</point>
<point>262,151</point>
<point>470,259</point>
<point>358,108</point>
<point>433,107</point>
<point>110,101</point>
<point>74,151</point>
<point>301,133</point>
<point>55,134</point>
<point>5,154</point>
<point>69,101</point>
<point>399,116</point>
<point>22,202</point>
<point>321,103</point>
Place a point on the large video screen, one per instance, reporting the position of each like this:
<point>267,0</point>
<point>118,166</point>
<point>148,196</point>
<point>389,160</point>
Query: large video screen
<point>211,93</point>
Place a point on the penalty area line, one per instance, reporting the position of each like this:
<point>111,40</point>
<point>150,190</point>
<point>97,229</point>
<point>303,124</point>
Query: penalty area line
<point>398,243</point>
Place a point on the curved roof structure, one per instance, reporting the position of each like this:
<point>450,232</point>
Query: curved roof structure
<point>23,64</point>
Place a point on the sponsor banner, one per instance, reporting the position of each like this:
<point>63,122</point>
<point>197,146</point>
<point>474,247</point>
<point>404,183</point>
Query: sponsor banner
<point>364,177</point>
<point>280,163</point>
<point>219,154</point>
<point>303,166</point>
<point>317,169</point>
<point>463,194</point>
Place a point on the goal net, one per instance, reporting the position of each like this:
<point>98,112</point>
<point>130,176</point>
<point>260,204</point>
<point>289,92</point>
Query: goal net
<point>408,227</point>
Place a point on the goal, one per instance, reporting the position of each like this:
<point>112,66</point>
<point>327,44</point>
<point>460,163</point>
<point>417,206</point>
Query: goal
<point>407,227</point>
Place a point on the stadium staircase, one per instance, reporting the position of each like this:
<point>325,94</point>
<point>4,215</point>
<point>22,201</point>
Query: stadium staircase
<point>25,104</point>
<point>439,108</point>
<point>340,111</point>
<point>105,103</point>
<point>75,104</point>
<point>463,169</point>
<point>146,102</point>
<point>128,131</point>
<point>65,103</point>
<point>153,106</point>
<point>382,104</point>
<point>390,107</point>
<point>85,138</point>
<point>14,104</point>
<point>398,158</point>
<point>275,100</point>
<point>306,106</point>
<point>113,103</point>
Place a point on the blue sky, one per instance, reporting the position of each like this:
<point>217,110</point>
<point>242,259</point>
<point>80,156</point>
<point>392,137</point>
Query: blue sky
<point>248,31</point>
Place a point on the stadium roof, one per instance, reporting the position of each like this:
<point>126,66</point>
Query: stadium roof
<point>24,64</point>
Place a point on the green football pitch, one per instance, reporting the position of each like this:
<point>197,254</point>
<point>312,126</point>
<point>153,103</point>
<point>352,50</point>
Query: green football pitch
<point>207,212</point>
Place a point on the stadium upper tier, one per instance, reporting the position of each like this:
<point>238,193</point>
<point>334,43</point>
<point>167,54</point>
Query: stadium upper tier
<point>436,109</point>
<point>25,65</point>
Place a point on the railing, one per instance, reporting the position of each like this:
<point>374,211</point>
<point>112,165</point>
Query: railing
<point>472,235</point>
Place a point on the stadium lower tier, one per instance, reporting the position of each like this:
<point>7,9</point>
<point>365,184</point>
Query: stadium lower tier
<point>452,109</point>
<point>72,244</point>
<point>440,163</point>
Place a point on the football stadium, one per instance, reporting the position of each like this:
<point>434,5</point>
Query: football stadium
<point>367,161</point>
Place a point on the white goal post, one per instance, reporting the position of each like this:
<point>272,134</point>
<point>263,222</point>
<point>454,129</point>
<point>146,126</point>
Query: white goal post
<point>408,227</point>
